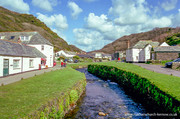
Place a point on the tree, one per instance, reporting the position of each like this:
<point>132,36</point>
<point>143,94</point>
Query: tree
<point>76,57</point>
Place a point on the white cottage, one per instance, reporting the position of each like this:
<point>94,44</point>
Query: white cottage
<point>33,39</point>
<point>17,58</point>
<point>141,51</point>
<point>66,54</point>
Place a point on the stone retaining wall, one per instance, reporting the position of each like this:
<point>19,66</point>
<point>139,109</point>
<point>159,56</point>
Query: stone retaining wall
<point>176,66</point>
<point>61,104</point>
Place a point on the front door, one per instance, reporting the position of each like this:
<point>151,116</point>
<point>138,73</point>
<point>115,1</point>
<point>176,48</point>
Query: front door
<point>6,67</point>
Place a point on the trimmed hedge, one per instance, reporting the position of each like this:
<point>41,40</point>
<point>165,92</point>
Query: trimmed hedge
<point>138,87</point>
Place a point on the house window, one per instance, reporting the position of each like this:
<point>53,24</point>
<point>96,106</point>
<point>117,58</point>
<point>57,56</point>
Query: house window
<point>12,37</point>
<point>31,63</point>
<point>42,47</point>
<point>57,54</point>
<point>24,38</point>
<point>16,64</point>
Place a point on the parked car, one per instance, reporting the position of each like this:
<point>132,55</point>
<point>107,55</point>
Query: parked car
<point>169,64</point>
<point>70,60</point>
<point>76,61</point>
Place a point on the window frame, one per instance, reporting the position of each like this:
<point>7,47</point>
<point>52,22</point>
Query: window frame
<point>14,65</point>
<point>24,38</point>
<point>42,47</point>
<point>31,63</point>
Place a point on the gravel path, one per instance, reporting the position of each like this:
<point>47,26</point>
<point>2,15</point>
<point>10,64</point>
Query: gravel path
<point>159,69</point>
<point>25,75</point>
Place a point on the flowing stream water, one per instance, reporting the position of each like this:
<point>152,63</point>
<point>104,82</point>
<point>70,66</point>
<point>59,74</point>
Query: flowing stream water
<point>107,98</point>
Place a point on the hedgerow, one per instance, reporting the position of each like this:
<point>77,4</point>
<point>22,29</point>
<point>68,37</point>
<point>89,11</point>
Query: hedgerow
<point>138,87</point>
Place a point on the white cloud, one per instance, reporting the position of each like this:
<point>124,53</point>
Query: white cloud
<point>161,22</point>
<point>106,27</point>
<point>169,4</point>
<point>129,11</point>
<point>15,5</point>
<point>128,16</point>
<point>75,9</point>
<point>45,4</point>
<point>58,21</point>
<point>89,40</point>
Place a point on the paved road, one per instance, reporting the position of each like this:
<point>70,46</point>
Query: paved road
<point>159,69</point>
<point>25,75</point>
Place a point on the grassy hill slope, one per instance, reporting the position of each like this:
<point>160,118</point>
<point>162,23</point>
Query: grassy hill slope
<point>12,21</point>
<point>157,34</point>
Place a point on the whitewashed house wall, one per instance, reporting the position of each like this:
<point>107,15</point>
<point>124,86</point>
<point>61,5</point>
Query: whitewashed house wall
<point>164,44</point>
<point>23,64</point>
<point>26,65</point>
<point>48,52</point>
<point>135,55</point>
<point>98,55</point>
<point>147,52</point>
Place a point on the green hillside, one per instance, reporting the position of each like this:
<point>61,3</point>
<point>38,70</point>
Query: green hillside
<point>12,21</point>
<point>174,39</point>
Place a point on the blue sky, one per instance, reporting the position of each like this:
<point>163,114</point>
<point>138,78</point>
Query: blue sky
<point>91,24</point>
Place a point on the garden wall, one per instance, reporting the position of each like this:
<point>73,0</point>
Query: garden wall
<point>140,88</point>
<point>62,104</point>
<point>176,66</point>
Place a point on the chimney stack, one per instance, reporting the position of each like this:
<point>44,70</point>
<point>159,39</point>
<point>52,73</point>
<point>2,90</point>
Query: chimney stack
<point>128,44</point>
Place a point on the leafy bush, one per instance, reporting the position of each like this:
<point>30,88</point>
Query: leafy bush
<point>173,40</point>
<point>76,57</point>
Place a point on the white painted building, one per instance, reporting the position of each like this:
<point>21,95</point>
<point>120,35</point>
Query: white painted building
<point>66,54</point>
<point>140,52</point>
<point>33,39</point>
<point>17,58</point>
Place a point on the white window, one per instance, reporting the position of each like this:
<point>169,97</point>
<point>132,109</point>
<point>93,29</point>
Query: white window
<point>42,47</point>
<point>24,38</point>
<point>31,63</point>
<point>16,63</point>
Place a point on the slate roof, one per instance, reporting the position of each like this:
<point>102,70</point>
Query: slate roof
<point>108,55</point>
<point>84,56</point>
<point>173,49</point>
<point>143,44</point>
<point>70,53</point>
<point>35,37</point>
<point>8,48</point>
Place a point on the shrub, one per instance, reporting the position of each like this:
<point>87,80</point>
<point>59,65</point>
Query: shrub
<point>138,87</point>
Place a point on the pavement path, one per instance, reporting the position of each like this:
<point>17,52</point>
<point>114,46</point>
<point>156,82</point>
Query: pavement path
<point>17,77</point>
<point>159,69</point>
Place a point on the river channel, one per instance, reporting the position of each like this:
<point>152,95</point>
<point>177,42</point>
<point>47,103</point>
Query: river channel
<point>105,97</point>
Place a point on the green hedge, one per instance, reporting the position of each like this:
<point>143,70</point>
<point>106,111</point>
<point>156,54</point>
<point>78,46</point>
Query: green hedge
<point>138,87</point>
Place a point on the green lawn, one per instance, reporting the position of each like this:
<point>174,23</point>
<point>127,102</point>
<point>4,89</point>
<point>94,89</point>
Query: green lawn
<point>167,83</point>
<point>23,97</point>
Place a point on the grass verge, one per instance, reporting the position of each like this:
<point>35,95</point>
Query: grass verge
<point>167,83</point>
<point>24,97</point>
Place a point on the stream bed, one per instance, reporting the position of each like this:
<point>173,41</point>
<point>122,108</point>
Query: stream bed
<point>105,98</point>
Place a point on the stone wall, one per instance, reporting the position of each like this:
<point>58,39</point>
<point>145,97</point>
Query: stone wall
<point>166,56</point>
<point>176,66</point>
<point>60,105</point>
